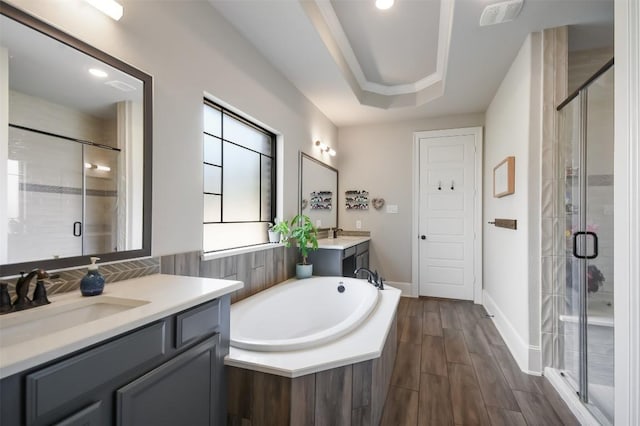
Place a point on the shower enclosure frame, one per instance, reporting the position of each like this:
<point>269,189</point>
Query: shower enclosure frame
<point>582,251</point>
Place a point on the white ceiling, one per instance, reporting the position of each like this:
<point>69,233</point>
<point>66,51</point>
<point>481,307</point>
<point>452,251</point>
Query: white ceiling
<point>422,58</point>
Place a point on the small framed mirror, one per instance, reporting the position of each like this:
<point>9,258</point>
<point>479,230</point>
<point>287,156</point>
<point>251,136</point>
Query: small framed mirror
<point>318,192</point>
<point>75,150</point>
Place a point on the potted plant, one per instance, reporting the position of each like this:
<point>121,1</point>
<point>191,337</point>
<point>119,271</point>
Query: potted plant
<point>278,230</point>
<point>306,236</point>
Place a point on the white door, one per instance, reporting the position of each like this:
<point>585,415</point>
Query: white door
<point>448,185</point>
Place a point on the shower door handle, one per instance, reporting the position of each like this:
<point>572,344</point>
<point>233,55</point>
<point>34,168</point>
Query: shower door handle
<point>575,245</point>
<point>77,229</point>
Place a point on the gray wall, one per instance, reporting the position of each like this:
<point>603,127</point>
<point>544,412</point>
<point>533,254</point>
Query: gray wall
<point>378,158</point>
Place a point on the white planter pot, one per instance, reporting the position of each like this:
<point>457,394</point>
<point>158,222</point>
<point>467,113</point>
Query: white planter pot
<point>274,237</point>
<point>303,271</point>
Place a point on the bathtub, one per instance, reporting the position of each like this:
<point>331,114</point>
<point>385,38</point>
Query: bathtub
<point>365,341</point>
<point>301,314</point>
<point>348,348</point>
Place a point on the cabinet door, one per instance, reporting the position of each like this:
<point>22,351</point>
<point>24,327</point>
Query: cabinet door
<point>181,391</point>
<point>89,416</point>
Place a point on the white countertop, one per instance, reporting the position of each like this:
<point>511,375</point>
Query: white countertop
<point>341,243</point>
<point>165,294</point>
<point>364,343</point>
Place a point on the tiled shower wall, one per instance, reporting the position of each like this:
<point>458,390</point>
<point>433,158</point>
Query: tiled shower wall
<point>48,176</point>
<point>554,86</point>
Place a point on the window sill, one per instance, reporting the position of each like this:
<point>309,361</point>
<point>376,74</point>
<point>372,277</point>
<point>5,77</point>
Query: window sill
<point>236,251</point>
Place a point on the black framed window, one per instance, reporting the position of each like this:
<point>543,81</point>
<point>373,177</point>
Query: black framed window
<point>239,185</point>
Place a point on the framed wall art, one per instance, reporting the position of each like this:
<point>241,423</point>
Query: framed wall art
<point>504,177</point>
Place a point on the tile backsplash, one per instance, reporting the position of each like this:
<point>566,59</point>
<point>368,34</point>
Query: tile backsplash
<point>69,280</point>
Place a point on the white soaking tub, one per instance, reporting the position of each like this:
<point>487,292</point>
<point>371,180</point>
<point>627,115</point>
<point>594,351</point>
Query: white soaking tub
<point>301,314</point>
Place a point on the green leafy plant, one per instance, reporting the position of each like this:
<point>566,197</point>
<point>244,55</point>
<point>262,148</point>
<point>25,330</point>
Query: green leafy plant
<point>282,227</point>
<point>304,233</point>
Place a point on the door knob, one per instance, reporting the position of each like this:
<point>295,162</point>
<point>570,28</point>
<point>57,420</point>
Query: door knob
<point>423,237</point>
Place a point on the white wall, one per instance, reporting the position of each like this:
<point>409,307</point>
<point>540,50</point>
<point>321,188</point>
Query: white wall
<point>627,212</point>
<point>378,158</point>
<point>190,49</point>
<point>511,278</point>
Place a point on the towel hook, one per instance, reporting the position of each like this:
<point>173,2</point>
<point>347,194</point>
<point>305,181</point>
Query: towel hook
<point>452,185</point>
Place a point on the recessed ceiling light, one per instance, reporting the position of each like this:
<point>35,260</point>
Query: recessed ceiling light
<point>111,8</point>
<point>384,4</point>
<point>98,73</point>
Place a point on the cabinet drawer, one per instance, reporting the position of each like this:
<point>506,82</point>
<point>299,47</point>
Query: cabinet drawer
<point>349,252</point>
<point>61,383</point>
<point>362,247</point>
<point>197,323</point>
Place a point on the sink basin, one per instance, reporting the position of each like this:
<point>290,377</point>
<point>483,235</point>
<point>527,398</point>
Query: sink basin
<point>18,327</point>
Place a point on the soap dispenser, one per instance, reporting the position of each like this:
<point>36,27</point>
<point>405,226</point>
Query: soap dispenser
<point>92,284</point>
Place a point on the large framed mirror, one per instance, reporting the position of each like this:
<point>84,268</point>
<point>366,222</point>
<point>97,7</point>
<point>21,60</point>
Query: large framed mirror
<point>318,192</point>
<point>75,150</point>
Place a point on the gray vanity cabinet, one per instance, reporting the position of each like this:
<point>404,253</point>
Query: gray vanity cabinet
<point>89,416</point>
<point>341,263</point>
<point>168,372</point>
<point>179,392</point>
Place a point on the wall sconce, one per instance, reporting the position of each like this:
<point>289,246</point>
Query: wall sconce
<point>326,148</point>
<point>111,8</point>
<point>97,167</point>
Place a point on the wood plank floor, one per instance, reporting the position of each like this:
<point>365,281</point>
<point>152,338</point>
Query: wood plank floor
<point>453,368</point>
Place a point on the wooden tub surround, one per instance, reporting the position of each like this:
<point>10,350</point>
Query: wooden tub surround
<point>352,394</point>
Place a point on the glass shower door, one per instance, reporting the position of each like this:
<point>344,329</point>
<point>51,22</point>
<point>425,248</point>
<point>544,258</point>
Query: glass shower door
<point>586,320</point>
<point>45,192</point>
<point>599,220</point>
<point>101,213</point>
<point>569,325</point>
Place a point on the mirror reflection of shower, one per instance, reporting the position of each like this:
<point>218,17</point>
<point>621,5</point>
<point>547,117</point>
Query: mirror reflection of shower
<point>71,148</point>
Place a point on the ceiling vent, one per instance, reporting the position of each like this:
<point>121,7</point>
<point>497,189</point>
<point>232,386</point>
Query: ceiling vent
<point>500,12</point>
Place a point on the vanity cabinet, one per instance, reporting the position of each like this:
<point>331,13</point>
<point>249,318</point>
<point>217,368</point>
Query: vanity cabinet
<point>177,392</point>
<point>340,262</point>
<point>165,373</point>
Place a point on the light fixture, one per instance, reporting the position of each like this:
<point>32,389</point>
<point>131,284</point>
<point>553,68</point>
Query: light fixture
<point>384,4</point>
<point>326,148</point>
<point>98,73</point>
<point>111,8</point>
<point>97,167</point>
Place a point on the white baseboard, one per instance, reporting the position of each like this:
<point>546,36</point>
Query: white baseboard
<point>569,396</point>
<point>406,288</point>
<point>527,356</point>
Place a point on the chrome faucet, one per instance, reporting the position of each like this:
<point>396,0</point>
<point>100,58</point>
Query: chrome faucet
<point>372,277</point>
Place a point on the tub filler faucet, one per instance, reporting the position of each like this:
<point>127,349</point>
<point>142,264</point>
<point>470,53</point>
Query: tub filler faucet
<point>372,277</point>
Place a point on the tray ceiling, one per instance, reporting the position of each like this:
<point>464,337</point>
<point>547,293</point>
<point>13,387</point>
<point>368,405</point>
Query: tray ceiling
<point>420,58</point>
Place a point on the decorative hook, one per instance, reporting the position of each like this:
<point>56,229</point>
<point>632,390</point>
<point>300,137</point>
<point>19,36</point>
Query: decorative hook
<point>452,185</point>
<point>439,186</point>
